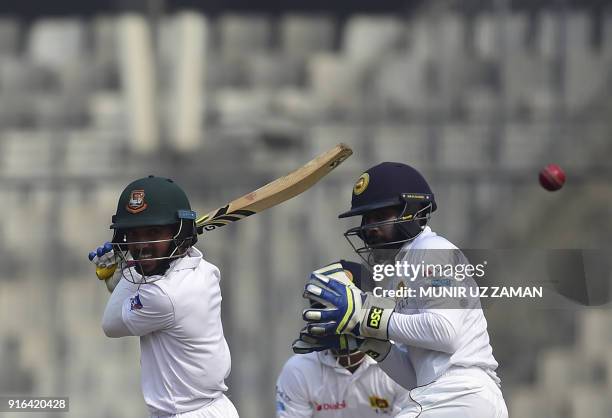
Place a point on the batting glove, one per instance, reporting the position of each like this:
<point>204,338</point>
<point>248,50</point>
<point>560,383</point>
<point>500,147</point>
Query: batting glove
<point>348,310</point>
<point>105,260</point>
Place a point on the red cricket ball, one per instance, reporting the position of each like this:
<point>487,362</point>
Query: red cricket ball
<point>552,177</point>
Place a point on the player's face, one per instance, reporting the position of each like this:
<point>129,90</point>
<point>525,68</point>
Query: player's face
<point>352,361</point>
<point>383,233</point>
<point>141,248</point>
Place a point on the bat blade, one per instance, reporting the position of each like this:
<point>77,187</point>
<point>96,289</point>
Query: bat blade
<point>276,192</point>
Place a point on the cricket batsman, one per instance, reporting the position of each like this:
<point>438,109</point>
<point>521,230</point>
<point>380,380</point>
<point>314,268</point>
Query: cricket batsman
<point>163,291</point>
<point>341,381</point>
<point>440,352</point>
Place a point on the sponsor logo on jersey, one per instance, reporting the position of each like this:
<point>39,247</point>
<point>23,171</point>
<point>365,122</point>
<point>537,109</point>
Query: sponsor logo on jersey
<point>440,282</point>
<point>135,303</point>
<point>374,317</point>
<point>330,406</point>
<point>378,403</point>
<point>137,201</point>
<point>280,407</point>
<point>282,395</point>
<point>362,184</point>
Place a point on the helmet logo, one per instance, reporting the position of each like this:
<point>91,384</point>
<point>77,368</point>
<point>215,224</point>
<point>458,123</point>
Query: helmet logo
<point>137,202</point>
<point>361,184</point>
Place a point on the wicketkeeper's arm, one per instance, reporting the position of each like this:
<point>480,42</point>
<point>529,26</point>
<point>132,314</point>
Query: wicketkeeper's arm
<point>397,366</point>
<point>430,330</point>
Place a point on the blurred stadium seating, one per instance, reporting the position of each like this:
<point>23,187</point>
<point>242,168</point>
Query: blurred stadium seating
<point>478,104</point>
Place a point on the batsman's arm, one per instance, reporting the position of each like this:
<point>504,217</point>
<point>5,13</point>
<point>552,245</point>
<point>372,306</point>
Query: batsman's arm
<point>134,310</point>
<point>112,321</point>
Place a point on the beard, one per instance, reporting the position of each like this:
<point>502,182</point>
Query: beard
<point>384,249</point>
<point>145,263</point>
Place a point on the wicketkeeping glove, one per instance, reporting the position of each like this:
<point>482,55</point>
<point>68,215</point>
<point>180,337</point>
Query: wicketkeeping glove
<point>348,310</point>
<point>308,343</point>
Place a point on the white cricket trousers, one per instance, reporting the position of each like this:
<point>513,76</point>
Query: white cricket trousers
<point>458,393</point>
<point>221,407</point>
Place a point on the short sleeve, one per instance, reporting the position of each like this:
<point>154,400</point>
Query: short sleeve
<point>398,366</point>
<point>291,393</point>
<point>402,398</point>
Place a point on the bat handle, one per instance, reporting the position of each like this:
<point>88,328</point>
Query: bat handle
<point>105,273</point>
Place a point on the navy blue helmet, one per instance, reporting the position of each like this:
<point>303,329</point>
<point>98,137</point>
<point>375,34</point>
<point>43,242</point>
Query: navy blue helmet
<point>389,185</point>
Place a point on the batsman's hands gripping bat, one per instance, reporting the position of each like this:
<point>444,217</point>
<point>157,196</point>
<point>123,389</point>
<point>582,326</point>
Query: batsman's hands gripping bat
<point>265,197</point>
<point>107,265</point>
<point>105,261</point>
<point>276,192</point>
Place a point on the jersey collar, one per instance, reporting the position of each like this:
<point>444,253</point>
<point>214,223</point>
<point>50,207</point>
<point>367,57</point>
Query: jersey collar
<point>426,233</point>
<point>190,261</point>
<point>327,359</point>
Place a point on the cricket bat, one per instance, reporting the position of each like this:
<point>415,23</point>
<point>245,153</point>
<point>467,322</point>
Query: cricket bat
<point>276,192</point>
<point>272,194</point>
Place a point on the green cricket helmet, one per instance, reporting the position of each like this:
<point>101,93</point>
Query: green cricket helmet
<point>154,201</point>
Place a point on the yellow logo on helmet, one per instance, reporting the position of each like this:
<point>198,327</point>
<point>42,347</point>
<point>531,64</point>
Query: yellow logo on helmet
<point>361,184</point>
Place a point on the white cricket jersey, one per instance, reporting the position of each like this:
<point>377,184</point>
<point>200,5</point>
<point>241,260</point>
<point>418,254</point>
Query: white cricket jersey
<point>435,336</point>
<point>315,385</point>
<point>184,356</point>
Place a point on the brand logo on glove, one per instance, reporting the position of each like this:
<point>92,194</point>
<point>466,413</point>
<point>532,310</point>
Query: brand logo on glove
<point>373,354</point>
<point>374,317</point>
<point>137,202</point>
